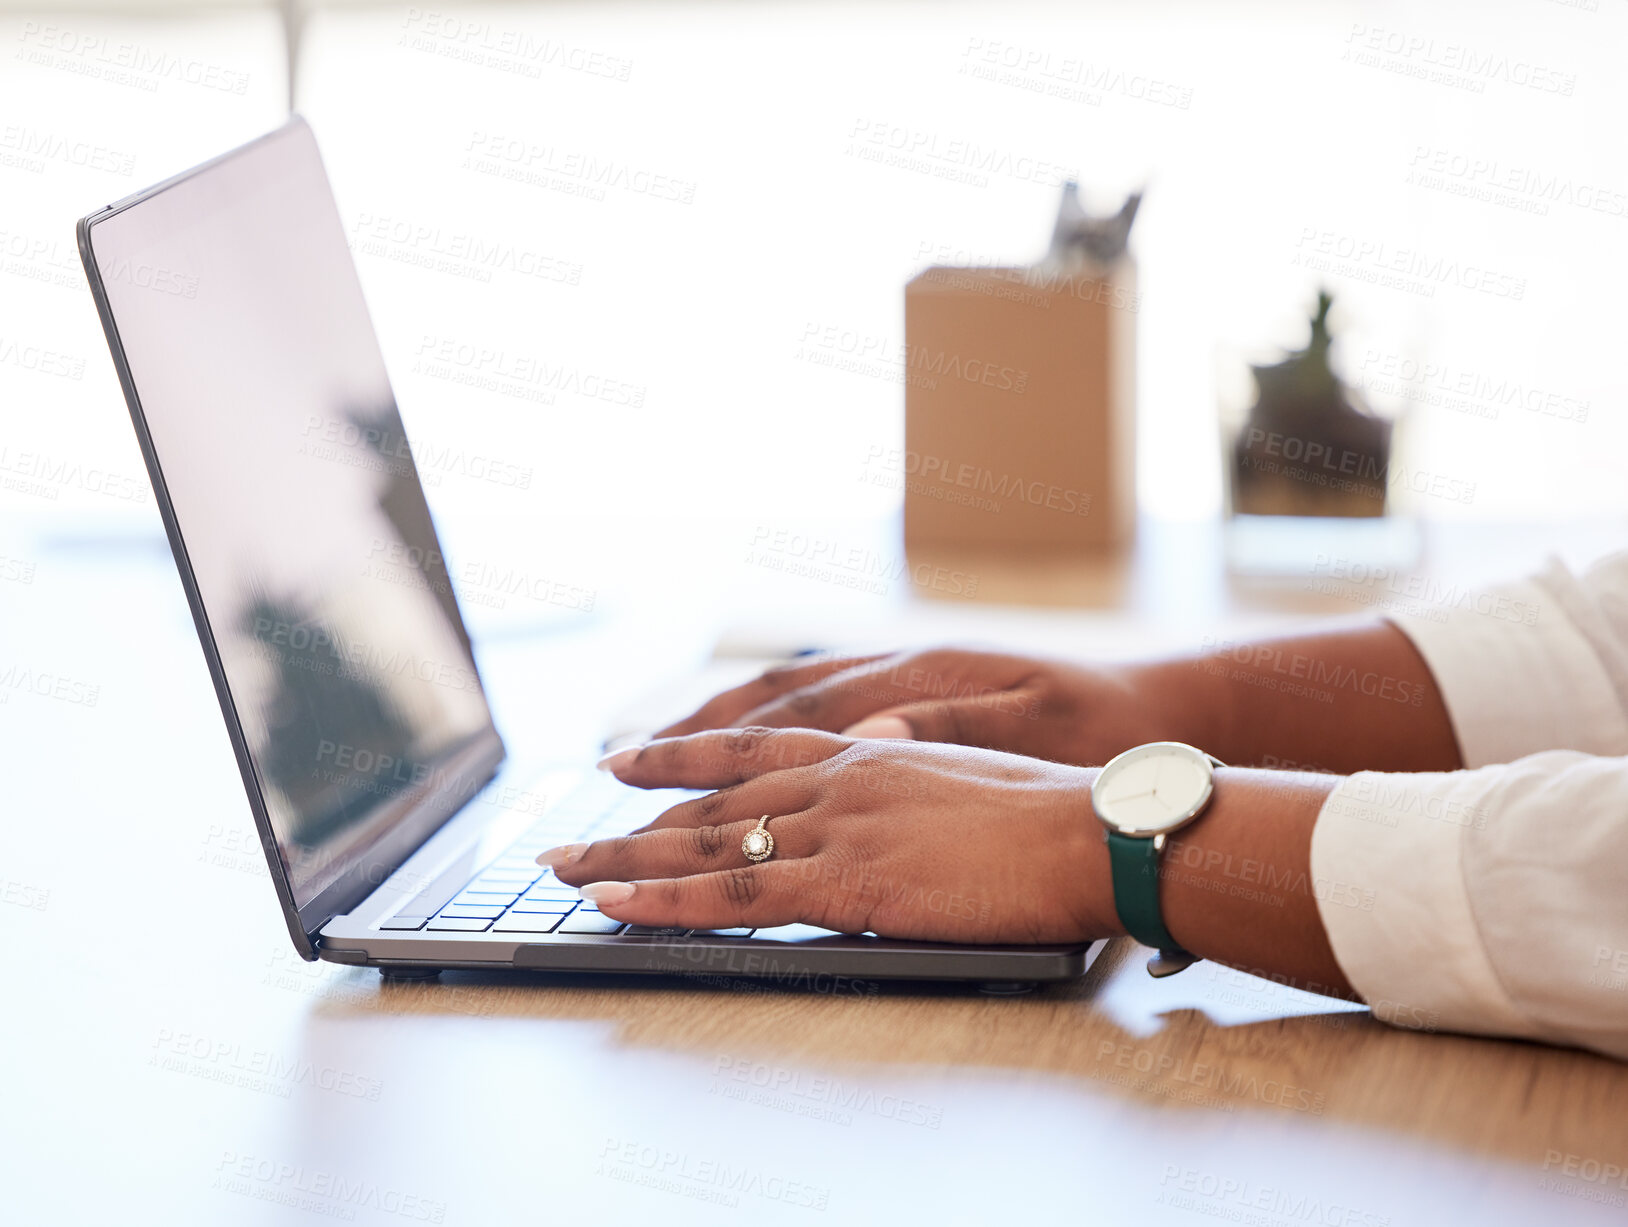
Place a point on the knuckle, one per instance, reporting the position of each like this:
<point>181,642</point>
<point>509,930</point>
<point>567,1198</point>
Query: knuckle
<point>803,702</point>
<point>709,805</point>
<point>708,842</point>
<point>778,677</point>
<point>746,742</point>
<point>742,887</point>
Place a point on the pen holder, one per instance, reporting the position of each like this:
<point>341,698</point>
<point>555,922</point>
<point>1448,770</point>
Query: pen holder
<point>1019,407</point>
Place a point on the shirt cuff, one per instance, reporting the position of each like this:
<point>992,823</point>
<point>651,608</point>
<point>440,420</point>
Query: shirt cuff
<point>1387,875</point>
<point>1518,676</point>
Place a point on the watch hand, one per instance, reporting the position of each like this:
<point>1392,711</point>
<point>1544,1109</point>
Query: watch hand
<point>1130,796</point>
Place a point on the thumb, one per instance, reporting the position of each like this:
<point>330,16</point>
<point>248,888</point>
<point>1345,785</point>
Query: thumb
<point>964,722</point>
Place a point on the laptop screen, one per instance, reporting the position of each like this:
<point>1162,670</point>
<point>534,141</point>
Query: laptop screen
<point>276,435</point>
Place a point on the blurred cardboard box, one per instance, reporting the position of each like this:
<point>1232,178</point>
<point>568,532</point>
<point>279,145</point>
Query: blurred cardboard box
<point>1019,404</point>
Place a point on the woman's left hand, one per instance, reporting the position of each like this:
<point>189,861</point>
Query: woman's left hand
<point>897,838</point>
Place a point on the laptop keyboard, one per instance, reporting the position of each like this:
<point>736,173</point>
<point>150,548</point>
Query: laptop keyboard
<point>515,895</point>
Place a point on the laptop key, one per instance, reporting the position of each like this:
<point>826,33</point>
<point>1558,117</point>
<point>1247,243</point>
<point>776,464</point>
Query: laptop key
<point>472,912</point>
<point>721,933</point>
<point>528,922</point>
<point>652,931</point>
<point>503,881</point>
<point>589,922</point>
<point>459,924</point>
<point>411,923</point>
<point>558,906</point>
<point>485,898</point>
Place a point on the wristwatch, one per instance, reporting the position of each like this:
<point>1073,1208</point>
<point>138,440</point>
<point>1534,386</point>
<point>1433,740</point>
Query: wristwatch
<point>1141,796</point>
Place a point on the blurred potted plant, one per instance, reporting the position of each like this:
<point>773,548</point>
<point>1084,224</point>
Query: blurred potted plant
<point>1309,446</point>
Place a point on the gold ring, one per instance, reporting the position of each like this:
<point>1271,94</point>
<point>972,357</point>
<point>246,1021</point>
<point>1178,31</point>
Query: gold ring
<point>758,844</point>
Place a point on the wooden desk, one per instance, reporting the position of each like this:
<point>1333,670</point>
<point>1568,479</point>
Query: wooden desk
<point>167,1059</point>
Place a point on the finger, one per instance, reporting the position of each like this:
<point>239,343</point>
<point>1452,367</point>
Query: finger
<point>967,722</point>
<point>750,896</point>
<point>931,680</point>
<point>684,851</point>
<point>722,757</point>
<point>780,792</point>
<point>726,709</point>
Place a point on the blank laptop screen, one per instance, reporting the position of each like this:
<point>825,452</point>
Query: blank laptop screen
<point>276,433</point>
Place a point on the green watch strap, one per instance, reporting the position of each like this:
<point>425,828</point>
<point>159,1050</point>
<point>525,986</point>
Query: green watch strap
<point>1134,865</point>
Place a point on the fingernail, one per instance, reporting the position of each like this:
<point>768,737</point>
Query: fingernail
<point>559,858</point>
<point>881,726</point>
<point>618,759</point>
<point>607,894</point>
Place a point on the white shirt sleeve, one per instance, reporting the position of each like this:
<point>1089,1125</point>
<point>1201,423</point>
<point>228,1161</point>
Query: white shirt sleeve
<point>1494,900</point>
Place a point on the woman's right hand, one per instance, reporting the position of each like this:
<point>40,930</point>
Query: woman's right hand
<point>1063,711</point>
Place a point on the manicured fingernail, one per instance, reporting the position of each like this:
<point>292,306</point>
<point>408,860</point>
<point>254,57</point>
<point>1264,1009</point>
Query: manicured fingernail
<point>559,858</point>
<point>607,894</point>
<point>618,759</point>
<point>881,726</point>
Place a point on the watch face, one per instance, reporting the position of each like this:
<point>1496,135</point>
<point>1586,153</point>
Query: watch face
<point>1153,788</point>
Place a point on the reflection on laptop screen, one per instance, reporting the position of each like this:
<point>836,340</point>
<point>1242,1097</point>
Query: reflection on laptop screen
<point>265,395</point>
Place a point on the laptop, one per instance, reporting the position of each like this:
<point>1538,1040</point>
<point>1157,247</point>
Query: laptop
<point>399,832</point>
